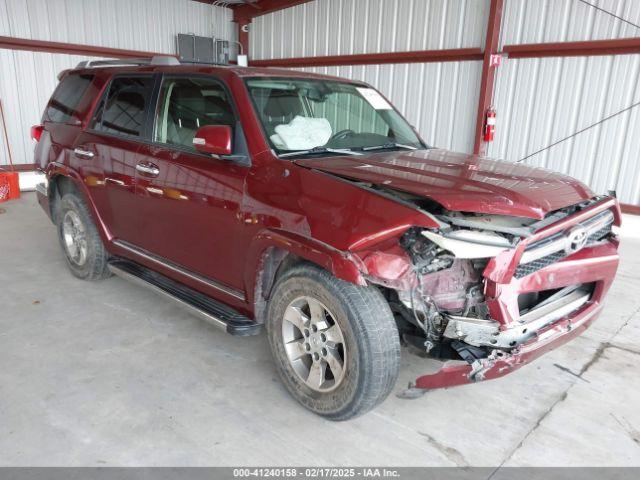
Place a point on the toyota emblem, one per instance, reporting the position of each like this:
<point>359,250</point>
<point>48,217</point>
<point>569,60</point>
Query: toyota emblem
<point>576,240</point>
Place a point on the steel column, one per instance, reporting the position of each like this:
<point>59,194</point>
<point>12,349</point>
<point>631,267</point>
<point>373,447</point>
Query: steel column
<point>244,25</point>
<point>488,72</point>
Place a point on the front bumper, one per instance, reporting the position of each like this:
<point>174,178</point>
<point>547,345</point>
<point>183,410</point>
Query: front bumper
<point>499,363</point>
<point>595,265</point>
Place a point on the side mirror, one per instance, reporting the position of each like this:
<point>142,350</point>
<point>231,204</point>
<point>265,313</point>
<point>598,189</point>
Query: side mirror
<point>213,139</point>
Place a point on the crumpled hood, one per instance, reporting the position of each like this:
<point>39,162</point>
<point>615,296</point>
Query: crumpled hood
<point>462,182</point>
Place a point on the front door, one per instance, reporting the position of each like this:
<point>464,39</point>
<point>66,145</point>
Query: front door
<point>190,202</point>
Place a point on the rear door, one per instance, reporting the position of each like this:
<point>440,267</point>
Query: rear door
<point>108,151</point>
<point>190,202</point>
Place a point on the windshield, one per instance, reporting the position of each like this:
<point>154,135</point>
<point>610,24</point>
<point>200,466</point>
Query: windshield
<point>309,116</point>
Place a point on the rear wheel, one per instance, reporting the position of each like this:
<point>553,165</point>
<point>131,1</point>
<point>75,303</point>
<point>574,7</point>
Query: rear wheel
<point>335,344</point>
<point>80,240</point>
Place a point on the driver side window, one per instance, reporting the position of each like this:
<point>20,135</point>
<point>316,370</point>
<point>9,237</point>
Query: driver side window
<point>185,105</point>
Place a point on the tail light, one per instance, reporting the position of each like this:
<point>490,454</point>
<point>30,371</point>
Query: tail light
<point>36,132</point>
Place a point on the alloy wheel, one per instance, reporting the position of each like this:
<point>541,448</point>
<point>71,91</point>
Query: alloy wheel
<point>314,344</point>
<point>74,238</point>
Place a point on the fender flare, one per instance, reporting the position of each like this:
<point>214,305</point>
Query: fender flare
<point>56,169</point>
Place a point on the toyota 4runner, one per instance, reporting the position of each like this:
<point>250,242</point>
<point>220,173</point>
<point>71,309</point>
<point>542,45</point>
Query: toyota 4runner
<point>306,204</point>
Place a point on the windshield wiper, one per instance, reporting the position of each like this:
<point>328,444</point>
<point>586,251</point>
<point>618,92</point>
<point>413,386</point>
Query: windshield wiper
<point>388,146</point>
<point>318,150</point>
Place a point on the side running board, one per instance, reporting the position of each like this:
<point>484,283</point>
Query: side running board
<point>213,312</point>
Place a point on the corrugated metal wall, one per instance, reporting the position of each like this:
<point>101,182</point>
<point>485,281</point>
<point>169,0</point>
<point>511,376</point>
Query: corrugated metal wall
<point>28,78</point>
<point>542,101</point>
<point>538,21</point>
<point>539,101</point>
<point>344,27</point>
<point>435,97</point>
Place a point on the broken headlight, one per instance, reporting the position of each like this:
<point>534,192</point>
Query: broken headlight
<point>470,243</point>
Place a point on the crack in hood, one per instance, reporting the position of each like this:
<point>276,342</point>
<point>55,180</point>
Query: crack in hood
<point>462,182</point>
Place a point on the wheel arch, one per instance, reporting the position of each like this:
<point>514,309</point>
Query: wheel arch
<point>274,252</point>
<point>63,180</point>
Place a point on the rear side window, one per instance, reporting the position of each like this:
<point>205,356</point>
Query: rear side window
<point>123,111</point>
<point>66,103</point>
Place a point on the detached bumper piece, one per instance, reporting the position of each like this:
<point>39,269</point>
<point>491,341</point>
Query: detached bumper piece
<point>500,362</point>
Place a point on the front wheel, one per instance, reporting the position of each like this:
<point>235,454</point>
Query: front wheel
<point>335,344</point>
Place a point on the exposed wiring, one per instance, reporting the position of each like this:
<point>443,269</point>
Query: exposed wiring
<point>609,13</point>
<point>580,131</point>
<point>424,326</point>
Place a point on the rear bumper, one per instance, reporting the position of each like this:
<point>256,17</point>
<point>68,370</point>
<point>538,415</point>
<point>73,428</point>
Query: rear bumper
<point>42,193</point>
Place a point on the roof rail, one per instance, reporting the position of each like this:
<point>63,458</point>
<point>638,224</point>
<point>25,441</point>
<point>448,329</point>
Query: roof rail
<point>155,60</point>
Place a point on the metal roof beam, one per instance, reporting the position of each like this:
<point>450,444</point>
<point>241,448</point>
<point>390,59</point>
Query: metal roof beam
<point>422,56</point>
<point>13,43</point>
<point>262,7</point>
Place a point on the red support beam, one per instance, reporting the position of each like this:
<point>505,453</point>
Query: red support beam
<point>630,209</point>
<point>574,49</point>
<point>423,56</point>
<point>12,43</point>
<point>20,167</point>
<point>488,72</point>
<point>262,7</point>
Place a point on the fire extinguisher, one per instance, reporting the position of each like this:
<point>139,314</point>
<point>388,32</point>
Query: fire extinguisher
<point>490,125</point>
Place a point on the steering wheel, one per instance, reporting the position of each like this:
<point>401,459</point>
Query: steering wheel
<point>341,135</point>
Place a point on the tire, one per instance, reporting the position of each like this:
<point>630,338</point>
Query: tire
<point>75,226</point>
<point>369,351</point>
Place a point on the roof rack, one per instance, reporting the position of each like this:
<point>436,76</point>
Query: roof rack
<point>155,60</point>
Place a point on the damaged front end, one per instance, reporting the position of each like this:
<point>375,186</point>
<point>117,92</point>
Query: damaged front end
<point>486,294</point>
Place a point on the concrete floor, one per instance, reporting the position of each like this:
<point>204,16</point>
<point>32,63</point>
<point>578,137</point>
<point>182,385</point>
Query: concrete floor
<point>110,374</point>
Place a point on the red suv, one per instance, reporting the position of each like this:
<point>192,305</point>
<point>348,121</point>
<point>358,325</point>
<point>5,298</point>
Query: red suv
<point>308,205</point>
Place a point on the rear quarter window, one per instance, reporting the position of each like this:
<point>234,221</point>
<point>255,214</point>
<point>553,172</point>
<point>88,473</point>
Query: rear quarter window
<point>69,102</point>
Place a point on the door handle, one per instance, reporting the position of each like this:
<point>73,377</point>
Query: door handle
<point>83,153</point>
<point>148,169</point>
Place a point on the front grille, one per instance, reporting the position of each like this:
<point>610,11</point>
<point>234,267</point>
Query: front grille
<point>539,264</point>
<point>599,235</point>
<point>528,268</point>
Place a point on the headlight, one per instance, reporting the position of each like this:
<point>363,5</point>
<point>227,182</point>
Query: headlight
<point>470,243</point>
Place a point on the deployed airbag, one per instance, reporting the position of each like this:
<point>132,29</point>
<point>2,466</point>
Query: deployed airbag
<point>302,133</point>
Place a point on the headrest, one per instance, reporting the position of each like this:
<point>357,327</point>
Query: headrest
<point>131,97</point>
<point>188,97</point>
<point>282,104</point>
